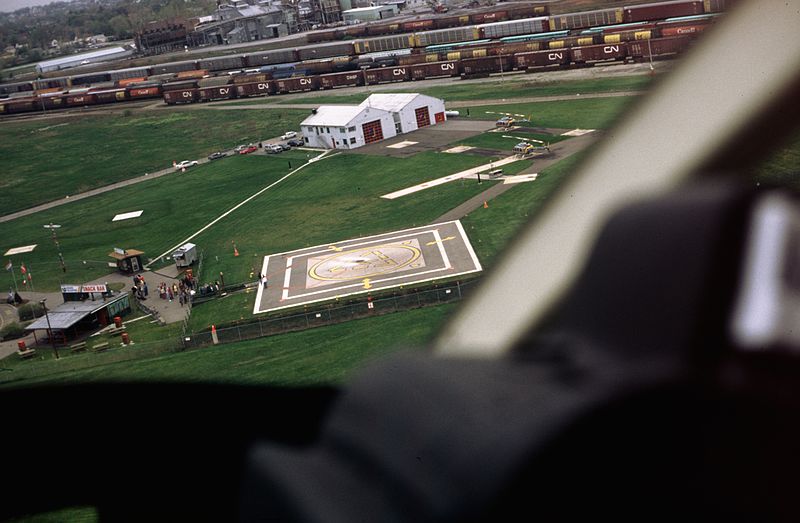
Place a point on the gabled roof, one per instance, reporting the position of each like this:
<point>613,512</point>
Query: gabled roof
<point>335,115</point>
<point>392,102</point>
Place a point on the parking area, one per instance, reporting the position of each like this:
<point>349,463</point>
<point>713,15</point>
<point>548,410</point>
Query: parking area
<point>433,138</point>
<point>364,265</point>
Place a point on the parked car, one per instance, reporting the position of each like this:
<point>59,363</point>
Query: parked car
<point>285,146</point>
<point>289,135</point>
<point>249,149</point>
<point>296,142</point>
<point>240,148</point>
<point>184,164</point>
<point>272,148</point>
<point>217,155</point>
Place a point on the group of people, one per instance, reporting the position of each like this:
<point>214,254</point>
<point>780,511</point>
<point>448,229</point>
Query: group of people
<point>181,290</point>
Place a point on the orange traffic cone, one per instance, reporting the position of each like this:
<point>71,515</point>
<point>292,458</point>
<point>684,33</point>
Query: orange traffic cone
<point>235,250</point>
<point>214,338</point>
<point>485,205</point>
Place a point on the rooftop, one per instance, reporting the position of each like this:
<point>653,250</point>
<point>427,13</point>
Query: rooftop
<point>392,102</point>
<point>84,56</point>
<point>69,313</point>
<point>333,115</point>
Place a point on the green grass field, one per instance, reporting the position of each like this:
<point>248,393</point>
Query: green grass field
<point>499,140</point>
<point>589,113</point>
<point>327,355</point>
<point>55,158</point>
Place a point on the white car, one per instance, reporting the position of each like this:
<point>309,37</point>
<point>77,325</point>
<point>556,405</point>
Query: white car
<point>289,135</point>
<point>184,164</point>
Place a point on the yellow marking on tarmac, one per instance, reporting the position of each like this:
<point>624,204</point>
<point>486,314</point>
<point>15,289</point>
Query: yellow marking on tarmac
<point>367,284</point>
<point>442,240</point>
<point>335,248</point>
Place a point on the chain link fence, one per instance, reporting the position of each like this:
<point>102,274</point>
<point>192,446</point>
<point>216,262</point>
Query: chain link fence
<point>333,313</point>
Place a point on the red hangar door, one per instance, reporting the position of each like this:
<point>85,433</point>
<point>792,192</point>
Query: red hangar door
<point>373,131</point>
<point>438,117</point>
<point>423,117</point>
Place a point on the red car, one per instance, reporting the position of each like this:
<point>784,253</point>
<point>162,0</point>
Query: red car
<point>248,149</point>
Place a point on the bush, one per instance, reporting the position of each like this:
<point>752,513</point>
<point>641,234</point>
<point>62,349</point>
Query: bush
<point>30,311</point>
<point>12,331</point>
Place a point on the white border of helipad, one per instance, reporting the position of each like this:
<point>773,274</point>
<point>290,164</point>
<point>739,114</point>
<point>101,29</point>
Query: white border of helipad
<point>366,240</point>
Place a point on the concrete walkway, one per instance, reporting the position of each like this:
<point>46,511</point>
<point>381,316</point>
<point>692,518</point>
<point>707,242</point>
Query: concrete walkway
<point>559,151</point>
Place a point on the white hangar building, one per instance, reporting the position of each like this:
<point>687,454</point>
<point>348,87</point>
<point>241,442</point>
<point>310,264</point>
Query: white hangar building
<point>378,117</point>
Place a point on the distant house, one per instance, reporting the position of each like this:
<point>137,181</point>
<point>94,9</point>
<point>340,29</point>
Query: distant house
<point>98,39</point>
<point>378,117</point>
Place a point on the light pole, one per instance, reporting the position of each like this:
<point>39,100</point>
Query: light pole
<point>49,329</point>
<point>53,228</point>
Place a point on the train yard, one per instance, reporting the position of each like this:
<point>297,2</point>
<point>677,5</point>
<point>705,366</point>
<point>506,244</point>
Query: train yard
<point>534,44</point>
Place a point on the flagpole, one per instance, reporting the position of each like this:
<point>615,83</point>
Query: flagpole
<point>14,278</point>
<point>29,276</point>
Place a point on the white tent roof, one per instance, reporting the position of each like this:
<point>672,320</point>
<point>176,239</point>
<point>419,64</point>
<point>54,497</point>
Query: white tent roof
<point>335,115</point>
<point>392,102</point>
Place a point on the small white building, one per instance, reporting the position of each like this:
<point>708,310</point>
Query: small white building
<point>369,14</point>
<point>378,117</point>
<point>346,126</point>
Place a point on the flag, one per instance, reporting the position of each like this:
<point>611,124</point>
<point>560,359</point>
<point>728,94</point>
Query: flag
<point>22,269</point>
<point>9,265</point>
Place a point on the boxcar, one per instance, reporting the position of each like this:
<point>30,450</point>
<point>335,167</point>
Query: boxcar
<point>23,105</point>
<point>223,92</point>
<point>451,21</point>
<point>661,10</point>
<point>255,89</point>
<point>251,78</point>
<point>134,72</point>
<point>221,63</point>
<point>89,79</point>
<point>187,75</point>
<point>528,11</point>
<point>296,85</point>
<point>477,67</point>
<point>434,70</point>
<point>492,16</point>
<point>599,53</point>
<point>673,29</point>
<point>383,29</point>
<point>52,101</point>
<point>17,87</point>
<point>418,25</point>
<point>548,58</point>
<point>214,81</point>
<point>107,96</point>
<point>173,86</point>
<point>658,47</point>
<point>78,100</point>
<point>144,92</point>
<point>174,67</point>
<point>276,56</point>
<point>346,79</point>
<point>586,19</point>
<point>325,51</point>
<point>180,96</point>
<point>386,75</point>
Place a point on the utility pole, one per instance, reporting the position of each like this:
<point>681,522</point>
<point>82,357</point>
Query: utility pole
<point>53,228</point>
<point>49,329</point>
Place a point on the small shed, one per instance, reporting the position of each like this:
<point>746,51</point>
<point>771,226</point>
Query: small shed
<point>128,261</point>
<point>73,318</point>
<point>185,255</point>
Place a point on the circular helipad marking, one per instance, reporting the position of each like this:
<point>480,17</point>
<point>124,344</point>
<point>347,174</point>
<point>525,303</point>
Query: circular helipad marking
<point>364,263</point>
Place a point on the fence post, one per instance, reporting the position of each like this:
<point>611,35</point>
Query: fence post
<point>260,327</point>
<point>239,332</point>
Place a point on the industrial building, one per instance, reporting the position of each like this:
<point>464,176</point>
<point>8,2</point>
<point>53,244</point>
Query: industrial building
<point>369,14</point>
<point>240,24</point>
<point>65,62</point>
<point>378,117</point>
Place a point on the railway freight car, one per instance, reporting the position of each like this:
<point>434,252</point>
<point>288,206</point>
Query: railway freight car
<point>538,59</point>
<point>325,51</point>
<point>144,91</point>
<point>346,79</point>
<point>275,56</point>
<point>434,70</point>
<point>113,95</point>
<point>386,75</point>
<point>599,53</point>
<point>222,63</point>
<point>174,67</point>
<point>180,96</point>
<point>446,36</point>
<point>662,10</point>
<point>482,67</point>
<point>264,88</point>
<point>658,47</point>
<point>222,92</point>
<point>133,72</point>
<point>20,105</point>
<point>514,27</point>
<point>596,18</point>
<point>296,85</point>
<point>386,43</point>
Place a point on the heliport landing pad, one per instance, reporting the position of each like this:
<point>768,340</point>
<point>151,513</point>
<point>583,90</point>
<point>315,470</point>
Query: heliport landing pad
<point>364,265</point>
